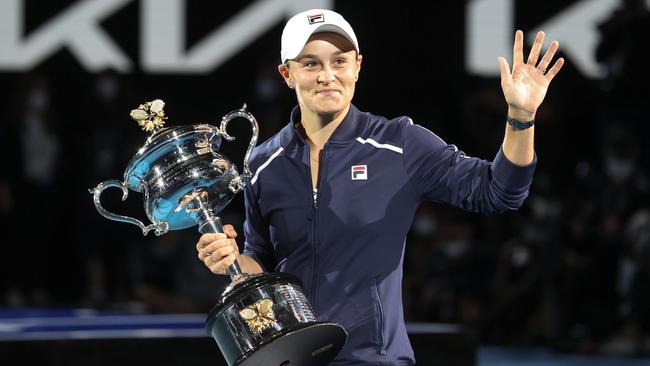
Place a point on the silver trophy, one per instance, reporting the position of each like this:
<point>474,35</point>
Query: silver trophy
<point>259,319</point>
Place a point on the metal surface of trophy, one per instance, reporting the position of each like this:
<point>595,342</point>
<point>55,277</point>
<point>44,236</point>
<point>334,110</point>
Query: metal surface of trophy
<point>260,319</point>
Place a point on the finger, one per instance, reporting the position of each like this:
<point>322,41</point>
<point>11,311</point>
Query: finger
<point>230,231</point>
<point>206,239</point>
<point>210,260</point>
<point>216,268</point>
<point>229,260</point>
<point>555,69</point>
<point>548,56</point>
<point>201,254</point>
<point>220,253</point>
<point>200,247</point>
<point>518,49</point>
<point>206,250</point>
<point>504,69</point>
<point>221,266</point>
<point>537,47</point>
<point>214,246</point>
<point>204,253</point>
<point>233,244</point>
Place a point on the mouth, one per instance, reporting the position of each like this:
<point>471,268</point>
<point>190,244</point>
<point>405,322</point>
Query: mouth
<point>327,91</point>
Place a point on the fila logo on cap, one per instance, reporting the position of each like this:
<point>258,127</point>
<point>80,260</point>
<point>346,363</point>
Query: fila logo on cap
<point>318,18</point>
<point>359,172</point>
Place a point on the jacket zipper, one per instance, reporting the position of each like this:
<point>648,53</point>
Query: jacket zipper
<point>314,275</point>
<point>316,199</point>
<point>321,173</point>
<point>382,349</point>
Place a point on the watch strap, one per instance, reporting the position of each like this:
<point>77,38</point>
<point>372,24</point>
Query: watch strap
<point>518,124</point>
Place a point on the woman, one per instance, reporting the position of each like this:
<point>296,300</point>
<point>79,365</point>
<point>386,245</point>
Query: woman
<point>335,191</point>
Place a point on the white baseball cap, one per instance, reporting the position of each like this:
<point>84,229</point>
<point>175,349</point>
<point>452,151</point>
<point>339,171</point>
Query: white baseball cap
<point>302,25</point>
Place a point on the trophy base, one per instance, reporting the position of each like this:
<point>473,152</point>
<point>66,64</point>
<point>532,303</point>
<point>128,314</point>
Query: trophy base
<point>313,345</point>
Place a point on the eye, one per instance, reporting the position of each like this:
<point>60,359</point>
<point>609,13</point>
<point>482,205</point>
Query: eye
<point>340,61</point>
<point>310,64</point>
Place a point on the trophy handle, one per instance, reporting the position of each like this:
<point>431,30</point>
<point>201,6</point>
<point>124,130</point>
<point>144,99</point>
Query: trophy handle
<point>160,227</point>
<point>241,112</point>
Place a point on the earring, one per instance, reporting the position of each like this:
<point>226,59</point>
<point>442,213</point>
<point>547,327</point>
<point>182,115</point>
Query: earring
<point>356,77</point>
<point>290,84</point>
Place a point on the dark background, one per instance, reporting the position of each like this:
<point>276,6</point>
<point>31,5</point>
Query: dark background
<point>570,269</point>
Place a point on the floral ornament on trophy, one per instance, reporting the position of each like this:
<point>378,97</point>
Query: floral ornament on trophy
<point>259,316</point>
<point>150,115</point>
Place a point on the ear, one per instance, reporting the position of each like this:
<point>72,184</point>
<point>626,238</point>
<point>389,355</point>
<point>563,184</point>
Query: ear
<point>284,71</point>
<point>358,68</point>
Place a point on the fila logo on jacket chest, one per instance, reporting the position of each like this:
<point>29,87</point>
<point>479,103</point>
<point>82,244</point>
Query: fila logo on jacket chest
<point>359,172</point>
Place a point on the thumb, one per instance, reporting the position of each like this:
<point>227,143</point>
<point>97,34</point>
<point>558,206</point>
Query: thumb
<point>230,231</point>
<point>504,69</point>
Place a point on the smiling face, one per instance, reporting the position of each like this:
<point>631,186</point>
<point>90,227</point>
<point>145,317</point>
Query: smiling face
<point>324,75</point>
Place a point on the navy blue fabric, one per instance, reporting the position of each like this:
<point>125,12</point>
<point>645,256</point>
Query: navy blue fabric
<point>348,250</point>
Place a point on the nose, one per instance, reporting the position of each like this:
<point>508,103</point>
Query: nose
<point>326,75</point>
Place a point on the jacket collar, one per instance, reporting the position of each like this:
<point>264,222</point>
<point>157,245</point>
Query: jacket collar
<point>350,128</point>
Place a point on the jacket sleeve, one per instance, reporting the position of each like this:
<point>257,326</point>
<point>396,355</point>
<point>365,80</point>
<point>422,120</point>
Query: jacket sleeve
<point>442,173</point>
<point>257,244</point>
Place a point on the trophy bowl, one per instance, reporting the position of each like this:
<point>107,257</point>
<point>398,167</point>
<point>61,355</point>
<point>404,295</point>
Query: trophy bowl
<point>175,163</point>
<point>259,319</point>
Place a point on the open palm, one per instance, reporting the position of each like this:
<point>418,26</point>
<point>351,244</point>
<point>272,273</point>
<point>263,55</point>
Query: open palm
<point>525,87</point>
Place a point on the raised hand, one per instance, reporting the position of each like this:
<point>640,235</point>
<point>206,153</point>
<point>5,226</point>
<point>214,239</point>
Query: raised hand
<point>525,88</point>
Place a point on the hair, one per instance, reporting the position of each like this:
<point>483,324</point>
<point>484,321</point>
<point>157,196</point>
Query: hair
<point>286,64</point>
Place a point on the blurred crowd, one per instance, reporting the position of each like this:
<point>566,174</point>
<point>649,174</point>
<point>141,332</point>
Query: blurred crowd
<point>570,269</point>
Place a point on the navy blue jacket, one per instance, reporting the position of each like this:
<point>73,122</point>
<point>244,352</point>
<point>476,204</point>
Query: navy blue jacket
<point>347,246</point>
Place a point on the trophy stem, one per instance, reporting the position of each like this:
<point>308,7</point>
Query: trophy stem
<point>210,223</point>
